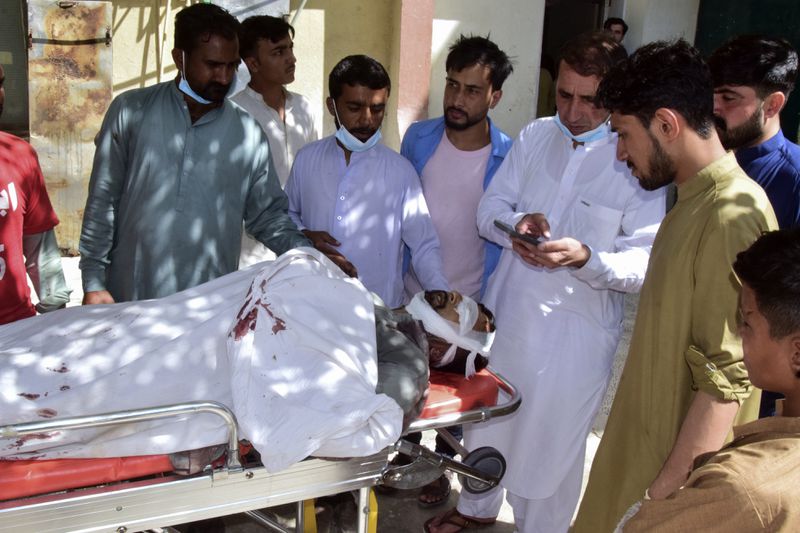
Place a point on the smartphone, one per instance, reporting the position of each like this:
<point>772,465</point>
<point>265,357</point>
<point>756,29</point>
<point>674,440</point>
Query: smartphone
<point>530,239</point>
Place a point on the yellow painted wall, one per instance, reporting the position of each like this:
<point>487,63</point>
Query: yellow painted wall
<point>327,31</point>
<point>140,33</point>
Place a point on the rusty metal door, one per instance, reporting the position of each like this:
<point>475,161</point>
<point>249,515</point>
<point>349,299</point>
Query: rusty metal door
<point>70,88</point>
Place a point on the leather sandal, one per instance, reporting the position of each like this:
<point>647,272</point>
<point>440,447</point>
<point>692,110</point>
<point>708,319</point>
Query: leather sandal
<point>454,518</point>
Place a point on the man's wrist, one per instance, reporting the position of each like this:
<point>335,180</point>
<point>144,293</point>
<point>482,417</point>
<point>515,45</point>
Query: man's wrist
<point>583,257</point>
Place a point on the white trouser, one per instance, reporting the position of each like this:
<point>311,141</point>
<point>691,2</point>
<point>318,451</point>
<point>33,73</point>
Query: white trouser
<point>548,515</point>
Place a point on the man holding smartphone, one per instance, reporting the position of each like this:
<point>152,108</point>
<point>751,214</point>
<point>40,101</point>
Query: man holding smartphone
<point>558,305</point>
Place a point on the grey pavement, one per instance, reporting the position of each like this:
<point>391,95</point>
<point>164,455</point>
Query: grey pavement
<point>399,512</point>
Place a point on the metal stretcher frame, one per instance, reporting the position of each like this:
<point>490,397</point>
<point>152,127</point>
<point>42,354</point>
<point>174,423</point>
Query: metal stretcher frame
<point>167,500</point>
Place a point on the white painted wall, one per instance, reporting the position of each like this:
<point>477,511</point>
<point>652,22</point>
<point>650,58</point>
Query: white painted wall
<point>516,27</point>
<point>653,20</point>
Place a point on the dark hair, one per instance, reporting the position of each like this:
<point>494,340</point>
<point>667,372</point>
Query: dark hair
<point>661,74</point>
<point>199,22</point>
<point>771,268</point>
<point>766,64</point>
<point>262,27</point>
<point>357,70</point>
<point>476,50</point>
<point>610,21</point>
<point>592,54</point>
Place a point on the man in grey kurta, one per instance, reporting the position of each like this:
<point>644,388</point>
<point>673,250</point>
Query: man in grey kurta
<point>175,174</point>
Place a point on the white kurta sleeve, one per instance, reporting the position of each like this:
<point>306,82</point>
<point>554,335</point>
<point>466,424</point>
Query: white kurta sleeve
<point>499,201</point>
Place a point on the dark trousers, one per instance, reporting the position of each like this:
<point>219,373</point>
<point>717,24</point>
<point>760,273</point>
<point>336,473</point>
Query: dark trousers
<point>441,445</point>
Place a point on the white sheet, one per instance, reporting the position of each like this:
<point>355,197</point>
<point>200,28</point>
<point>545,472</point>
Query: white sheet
<point>290,345</point>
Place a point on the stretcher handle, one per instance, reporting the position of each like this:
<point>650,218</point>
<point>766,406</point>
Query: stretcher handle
<point>135,415</point>
<point>479,414</point>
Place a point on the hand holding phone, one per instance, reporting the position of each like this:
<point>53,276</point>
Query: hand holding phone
<point>530,239</point>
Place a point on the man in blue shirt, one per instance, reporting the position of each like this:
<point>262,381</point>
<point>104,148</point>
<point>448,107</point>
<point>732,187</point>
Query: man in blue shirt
<point>456,156</point>
<point>753,77</point>
<point>476,69</point>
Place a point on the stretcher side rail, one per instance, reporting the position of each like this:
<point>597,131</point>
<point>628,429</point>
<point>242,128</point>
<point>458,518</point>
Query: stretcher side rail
<point>135,415</point>
<point>476,414</point>
<point>171,499</point>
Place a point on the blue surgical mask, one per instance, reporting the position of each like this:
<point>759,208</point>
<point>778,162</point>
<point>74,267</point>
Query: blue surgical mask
<point>596,134</point>
<point>183,85</point>
<point>350,141</point>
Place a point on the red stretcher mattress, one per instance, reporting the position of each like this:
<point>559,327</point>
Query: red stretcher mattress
<point>448,394</point>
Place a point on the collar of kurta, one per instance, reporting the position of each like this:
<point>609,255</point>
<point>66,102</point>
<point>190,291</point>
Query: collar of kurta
<point>708,177</point>
<point>790,425</point>
<point>747,155</point>
<point>288,102</point>
<point>206,118</point>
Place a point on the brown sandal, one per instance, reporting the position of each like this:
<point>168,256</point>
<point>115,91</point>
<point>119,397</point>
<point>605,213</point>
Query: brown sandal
<point>454,518</point>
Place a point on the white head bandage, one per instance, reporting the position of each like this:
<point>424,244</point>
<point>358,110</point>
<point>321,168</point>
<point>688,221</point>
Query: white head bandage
<point>459,335</point>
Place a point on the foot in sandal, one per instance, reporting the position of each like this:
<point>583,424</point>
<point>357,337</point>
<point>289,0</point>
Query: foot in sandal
<point>452,522</point>
<point>436,492</point>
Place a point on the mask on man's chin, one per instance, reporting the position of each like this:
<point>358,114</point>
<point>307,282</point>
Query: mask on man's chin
<point>602,130</point>
<point>185,88</point>
<point>350,141</point>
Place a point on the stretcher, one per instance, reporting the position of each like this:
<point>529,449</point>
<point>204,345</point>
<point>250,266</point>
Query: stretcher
<point>140,493</point>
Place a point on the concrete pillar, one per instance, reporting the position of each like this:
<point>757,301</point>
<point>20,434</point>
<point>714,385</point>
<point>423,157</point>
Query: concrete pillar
<point>410,67</point>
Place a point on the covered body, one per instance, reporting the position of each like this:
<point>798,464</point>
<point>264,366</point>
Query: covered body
<point>290,346</point>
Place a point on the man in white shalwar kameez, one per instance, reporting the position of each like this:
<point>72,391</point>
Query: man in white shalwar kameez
<point>558,306</point>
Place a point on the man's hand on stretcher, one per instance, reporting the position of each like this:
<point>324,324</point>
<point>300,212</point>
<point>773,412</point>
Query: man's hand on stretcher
<point>565,251</point>
<point>97,297</point>
<point>324,242</point>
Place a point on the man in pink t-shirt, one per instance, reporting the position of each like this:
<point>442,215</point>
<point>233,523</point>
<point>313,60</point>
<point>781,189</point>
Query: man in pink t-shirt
<point>27,242</point>
<point>456,156</point>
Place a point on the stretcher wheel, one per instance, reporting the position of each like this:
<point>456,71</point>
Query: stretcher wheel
<point>489,461</point>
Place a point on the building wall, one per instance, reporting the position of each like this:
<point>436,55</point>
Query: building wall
<point>327,31</point>
<point>143,34</point>
<point>653,20</point>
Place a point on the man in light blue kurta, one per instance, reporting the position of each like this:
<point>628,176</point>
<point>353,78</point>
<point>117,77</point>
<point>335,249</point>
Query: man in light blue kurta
<point>174,178</point>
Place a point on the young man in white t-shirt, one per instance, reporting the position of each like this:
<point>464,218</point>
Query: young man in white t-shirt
<point>456,156</point>
<point>266,46</point>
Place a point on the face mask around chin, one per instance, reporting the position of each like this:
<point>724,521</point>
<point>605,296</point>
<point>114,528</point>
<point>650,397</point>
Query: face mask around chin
<point>185,88</point>
<point>588,136</point>
<point>351,142</point>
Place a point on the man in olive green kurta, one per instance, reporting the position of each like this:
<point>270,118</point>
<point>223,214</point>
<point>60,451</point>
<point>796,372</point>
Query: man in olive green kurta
<point>684,343</point>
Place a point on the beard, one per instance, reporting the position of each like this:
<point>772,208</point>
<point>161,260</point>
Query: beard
<point>662,169</point>
<point>743,134</point>
<point>467,123</point>
<point>216,92</point>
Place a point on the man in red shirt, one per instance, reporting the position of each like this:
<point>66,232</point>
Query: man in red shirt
<point>27,241</point>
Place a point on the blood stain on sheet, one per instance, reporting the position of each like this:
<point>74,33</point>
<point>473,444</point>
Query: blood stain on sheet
<point>47,413</point>
<point>245,324</point>
<point>279,324</point>
<point>61,370</point>
<point>29,395</point>
<point>64,387</point>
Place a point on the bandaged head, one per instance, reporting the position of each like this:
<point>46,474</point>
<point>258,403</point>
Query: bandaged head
<point>458,321</point>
